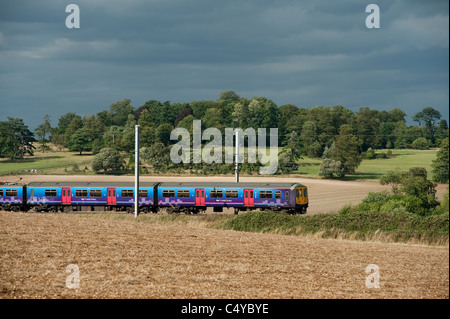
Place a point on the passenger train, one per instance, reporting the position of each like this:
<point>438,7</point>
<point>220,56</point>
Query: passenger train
<point>187,197</point>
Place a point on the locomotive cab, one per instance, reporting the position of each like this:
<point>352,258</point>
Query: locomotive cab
<point>301,199</point>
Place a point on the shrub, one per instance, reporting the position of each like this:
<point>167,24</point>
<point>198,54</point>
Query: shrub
<point>370,153</point>
<point>107,158</point>
<point>330,167</point>
<point>421,143</point>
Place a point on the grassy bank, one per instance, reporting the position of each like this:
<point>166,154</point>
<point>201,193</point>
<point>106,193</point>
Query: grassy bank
<point>370,226</point>
<point>386,227</point>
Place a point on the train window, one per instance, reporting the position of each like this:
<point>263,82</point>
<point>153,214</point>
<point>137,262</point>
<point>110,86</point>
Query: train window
<point>11,192</point>
<point>127,193</point>
<point>231,194</point>
<point>287,195</point>
<point>183,193</point>
<point>265,194</point>
<point>81,193</point>
<point>305,193</point>
<point>277,194</point>
<point>168,193</point>
<point>296,192</point>
<point>251,194</point>
<point>301,192</point>
<point>143,193</point>
<point>95,193</point>
<point>1,192</point>
<point>216,194</point>
<point>50,193</point>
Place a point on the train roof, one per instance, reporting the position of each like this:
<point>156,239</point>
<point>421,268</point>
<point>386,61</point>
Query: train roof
<point>90,184</point>
<point>229,185</point>
<point>167,184</point>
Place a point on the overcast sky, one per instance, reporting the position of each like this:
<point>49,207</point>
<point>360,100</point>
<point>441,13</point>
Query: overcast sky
<point>306,53</point>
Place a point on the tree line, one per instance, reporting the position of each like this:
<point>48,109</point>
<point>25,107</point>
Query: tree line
<point>338,135</point>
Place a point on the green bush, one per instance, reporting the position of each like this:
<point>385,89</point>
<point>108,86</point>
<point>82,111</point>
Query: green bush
<point>421,143</point>
<point>396,225</point>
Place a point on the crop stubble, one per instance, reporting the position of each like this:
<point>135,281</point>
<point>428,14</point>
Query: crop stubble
<point>123,259</point>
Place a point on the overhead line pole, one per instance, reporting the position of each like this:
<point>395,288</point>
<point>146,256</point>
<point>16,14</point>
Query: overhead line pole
<point>136,173</point>
<point>237,156</point>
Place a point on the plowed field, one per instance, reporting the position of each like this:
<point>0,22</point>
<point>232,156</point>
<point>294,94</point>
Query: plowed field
<point>126,259</point>
<point>122,259</point>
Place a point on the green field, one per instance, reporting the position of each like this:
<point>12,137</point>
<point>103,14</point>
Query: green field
<point>47,163</point>
<point>73,163</point>
<point>374,168</point>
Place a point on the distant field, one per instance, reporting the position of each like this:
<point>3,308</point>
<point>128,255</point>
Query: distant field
<point>47,163</point>
<point>72,163</point>
<point>373,169</point>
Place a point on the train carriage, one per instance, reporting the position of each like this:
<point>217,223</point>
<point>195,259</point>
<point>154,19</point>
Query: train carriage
<point>189,197</point>
<point>195,197</point>
<point>88,196</point>
<point>11,197</point>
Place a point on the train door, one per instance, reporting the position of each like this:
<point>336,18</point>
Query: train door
<point>301,196</point>
<point>66,199</point>
<point>248,197</point>
<point>199,197</point>
<point>111,198</point>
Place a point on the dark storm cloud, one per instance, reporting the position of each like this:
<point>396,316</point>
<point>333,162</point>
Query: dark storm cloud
<point>302,52</point>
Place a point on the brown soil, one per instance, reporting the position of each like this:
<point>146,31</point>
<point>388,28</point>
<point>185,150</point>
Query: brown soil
<point>125,259</point>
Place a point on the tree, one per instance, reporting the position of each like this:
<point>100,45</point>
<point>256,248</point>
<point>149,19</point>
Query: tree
<point>43,132</point>
<point>80,141</point>
<point>240,115</point>
<point>440,165</point>
<point>442,130</point>
<point>394,178</point>
<point>286,163</point>
<point>428,116</point>
<point>346,150</point>
<point>262,113</point>
<point>309,138</point>
<point>289,120</point>
<point>158,155</point>
<point>15,139</point>
<point>213,118</point>
<point>75,124</point>
<point>107,158</point>
<point>416,184</point>
<point>328,151</point>
<point>294,145</point>
<point>421,143</point>
<point>182,114</point>
<point>228,95</point>
<point>163,133</point>
<point>367,126</point>
<point>120,110</point>
<point>330,168</point>
<point>397,115</point>
<point>64,122</point>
